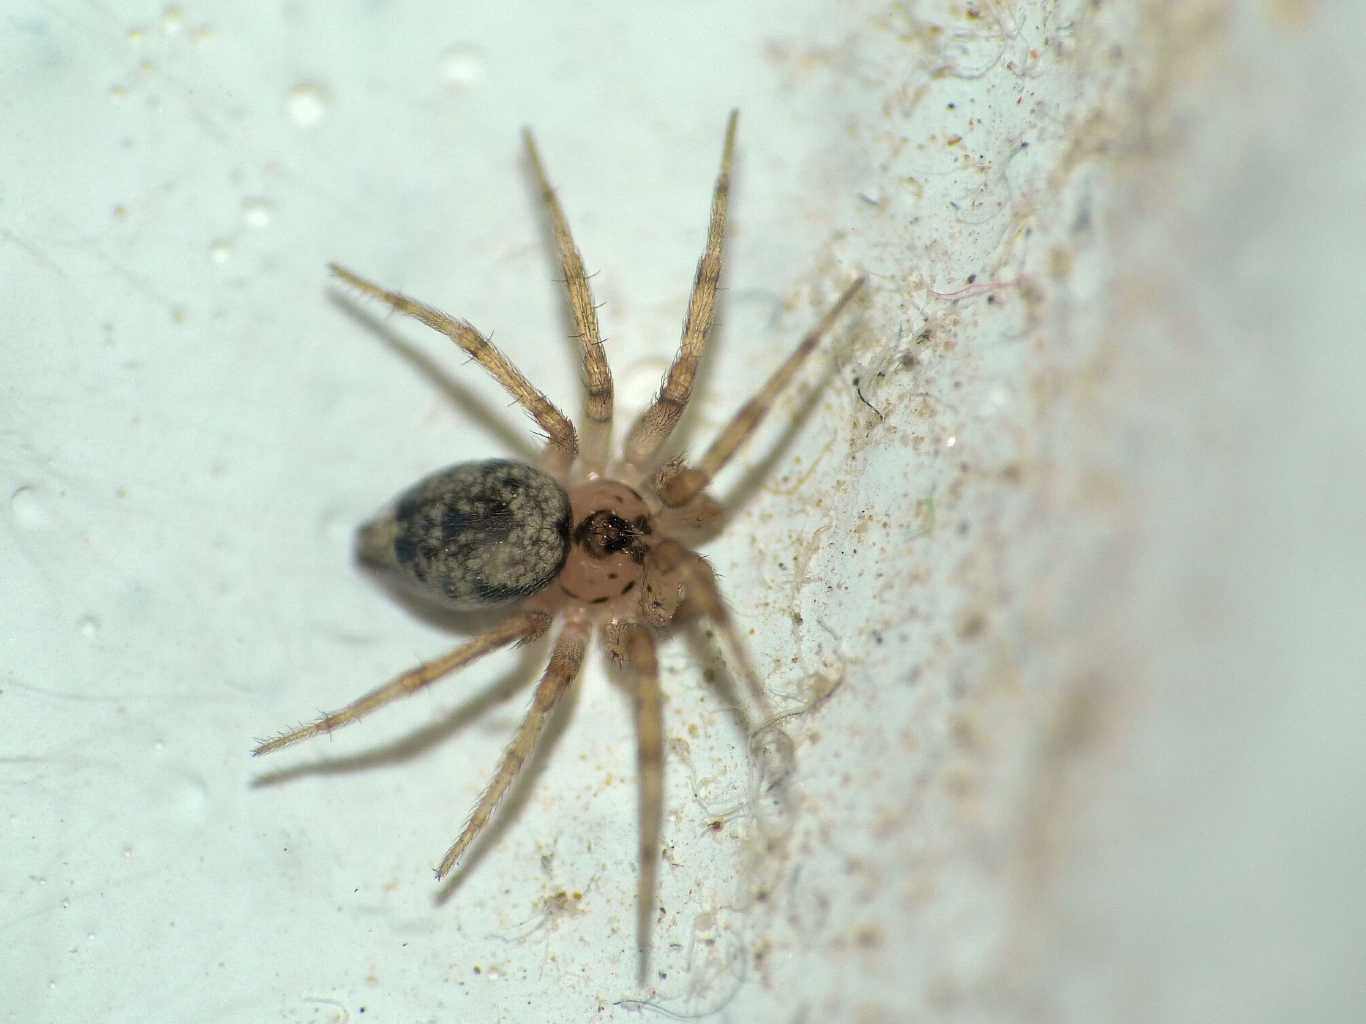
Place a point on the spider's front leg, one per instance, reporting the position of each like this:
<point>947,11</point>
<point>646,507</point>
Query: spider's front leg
<point>562,444</point>
<point>678,484</point>
<point>657,422</point>
<point>597,375</point>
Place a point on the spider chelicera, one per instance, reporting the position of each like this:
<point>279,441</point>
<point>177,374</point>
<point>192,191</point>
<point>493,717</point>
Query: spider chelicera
<point>580,537</point>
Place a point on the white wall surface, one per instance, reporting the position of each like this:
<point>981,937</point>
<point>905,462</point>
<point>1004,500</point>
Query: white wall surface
<point>1059,575</point>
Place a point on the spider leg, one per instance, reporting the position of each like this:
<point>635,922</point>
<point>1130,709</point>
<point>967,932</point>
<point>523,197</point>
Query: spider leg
<point>641,652</point>
<point>677,484</point>
<point>657,422</point>
<point>563,443</point>
<point>597,375</point>
<point>565,661</point>
<point>518,628</point>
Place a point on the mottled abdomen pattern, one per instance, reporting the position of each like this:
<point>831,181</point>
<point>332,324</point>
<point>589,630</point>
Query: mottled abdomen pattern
<point>475,534</point>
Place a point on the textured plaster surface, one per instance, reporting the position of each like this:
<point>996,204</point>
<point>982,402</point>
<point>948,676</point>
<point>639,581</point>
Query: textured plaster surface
<point>1048,560</point>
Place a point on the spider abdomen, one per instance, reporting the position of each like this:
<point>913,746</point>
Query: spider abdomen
<point>473,535</point>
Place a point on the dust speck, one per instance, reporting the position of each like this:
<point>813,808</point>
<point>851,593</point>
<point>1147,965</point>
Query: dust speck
<point>172,20</point>
<point>29,509</point>
<point>257,212</point>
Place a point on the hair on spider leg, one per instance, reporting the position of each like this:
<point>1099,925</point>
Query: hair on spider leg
<point>575,539</point>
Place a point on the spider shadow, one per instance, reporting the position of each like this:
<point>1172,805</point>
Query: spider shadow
<point>456,393</point>
<point>753,478</point>
<point>718,675</point>
<point>691,625</point>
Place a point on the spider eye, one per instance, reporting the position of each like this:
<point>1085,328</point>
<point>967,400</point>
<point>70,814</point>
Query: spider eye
<point>474,534</point>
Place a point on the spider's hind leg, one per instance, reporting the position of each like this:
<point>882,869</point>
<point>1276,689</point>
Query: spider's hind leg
<point>565,661</point>
<point>518,629</point>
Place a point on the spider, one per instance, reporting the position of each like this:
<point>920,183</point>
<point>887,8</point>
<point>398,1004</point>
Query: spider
<point>577,537</point>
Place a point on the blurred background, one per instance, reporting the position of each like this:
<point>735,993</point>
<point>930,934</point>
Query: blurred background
<point>1051,562</point>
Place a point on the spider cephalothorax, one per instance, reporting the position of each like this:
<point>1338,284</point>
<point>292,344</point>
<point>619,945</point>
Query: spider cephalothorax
<point>578,538</point>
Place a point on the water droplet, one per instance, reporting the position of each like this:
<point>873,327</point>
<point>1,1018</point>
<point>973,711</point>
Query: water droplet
<point>220,250</point>
<point>66,904</point>
<point>337,523</point>
<point>28,508</point>
<point>995,401</point>
<point>257,212</point>
<point>88,626</point>
<point>127,853</point>
<point>172,20</point>
<point>462,65</point>
<point>194,800</point>
<point>307,103</point>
